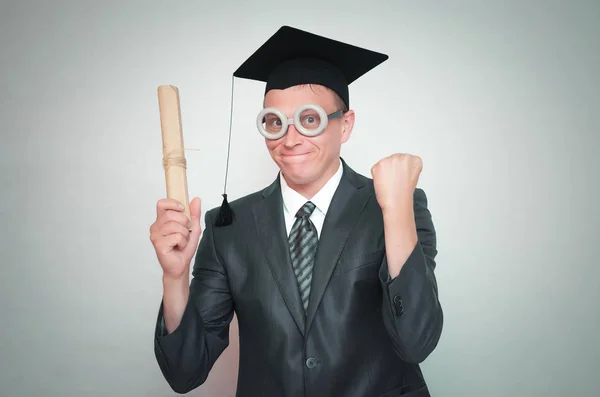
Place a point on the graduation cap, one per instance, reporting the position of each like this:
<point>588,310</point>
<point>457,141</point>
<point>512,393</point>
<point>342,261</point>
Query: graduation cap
<point>294,57</point>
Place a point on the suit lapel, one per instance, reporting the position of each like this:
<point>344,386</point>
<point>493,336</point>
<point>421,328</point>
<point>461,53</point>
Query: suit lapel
<point>270,225</point>
<point>346,205</point>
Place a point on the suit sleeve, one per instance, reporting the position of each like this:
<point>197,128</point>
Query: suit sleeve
<point>411,310</point>
<point>186,355</point>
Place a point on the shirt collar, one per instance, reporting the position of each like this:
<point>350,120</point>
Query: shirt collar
<point>293,201</point>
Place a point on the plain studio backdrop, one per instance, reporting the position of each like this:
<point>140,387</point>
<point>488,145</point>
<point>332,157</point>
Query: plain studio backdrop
<point>500,100</point>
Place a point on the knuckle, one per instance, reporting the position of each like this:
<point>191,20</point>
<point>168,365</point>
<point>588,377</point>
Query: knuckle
<point>174,215</point>
<point>169,215</point>
<point>162,249</point>
<point>169,227</point>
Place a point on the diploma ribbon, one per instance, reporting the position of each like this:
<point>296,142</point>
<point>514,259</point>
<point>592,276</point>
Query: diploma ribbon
<point>176,159</point>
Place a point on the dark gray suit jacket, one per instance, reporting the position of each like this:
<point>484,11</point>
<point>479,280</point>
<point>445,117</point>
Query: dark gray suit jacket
<point>363,335</point>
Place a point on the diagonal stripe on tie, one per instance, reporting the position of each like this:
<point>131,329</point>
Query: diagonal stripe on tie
<point>303,241</point>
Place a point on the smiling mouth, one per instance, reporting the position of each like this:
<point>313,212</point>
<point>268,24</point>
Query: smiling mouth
<point>294,158</point>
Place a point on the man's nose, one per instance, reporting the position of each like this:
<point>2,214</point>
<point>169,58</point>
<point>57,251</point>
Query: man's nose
<point>292,137</point>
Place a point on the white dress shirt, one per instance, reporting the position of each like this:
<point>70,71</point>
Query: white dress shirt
<point>293,201</point>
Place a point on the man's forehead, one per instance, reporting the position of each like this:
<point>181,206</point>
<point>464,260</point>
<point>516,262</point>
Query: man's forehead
<point>300,94</point>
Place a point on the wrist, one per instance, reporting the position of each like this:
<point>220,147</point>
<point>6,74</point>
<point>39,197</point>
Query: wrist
<point>402,212</point>
<point>171,282</point>
<point>175,291</point>
<point>400,225</point>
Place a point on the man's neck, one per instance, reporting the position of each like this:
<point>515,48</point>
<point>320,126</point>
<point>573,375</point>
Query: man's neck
<point>309,190</point>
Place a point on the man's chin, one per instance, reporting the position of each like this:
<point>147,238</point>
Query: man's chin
<point>296,174</point>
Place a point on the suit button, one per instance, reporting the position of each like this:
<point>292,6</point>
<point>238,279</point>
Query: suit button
<point>399,308</point>
<point>311,362</point>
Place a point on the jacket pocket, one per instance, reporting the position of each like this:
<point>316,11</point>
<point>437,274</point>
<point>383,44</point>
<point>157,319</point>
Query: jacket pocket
<point>359,261</point>
<point>408,391</point>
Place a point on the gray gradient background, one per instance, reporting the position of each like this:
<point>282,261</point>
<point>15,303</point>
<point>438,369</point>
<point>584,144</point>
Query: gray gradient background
<point>500,100</point>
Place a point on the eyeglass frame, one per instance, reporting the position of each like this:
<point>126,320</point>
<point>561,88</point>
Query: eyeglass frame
<point>295,121</point>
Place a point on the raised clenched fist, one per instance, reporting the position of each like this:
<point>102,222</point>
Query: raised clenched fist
<point>174,237</point>
<point>395,178</point>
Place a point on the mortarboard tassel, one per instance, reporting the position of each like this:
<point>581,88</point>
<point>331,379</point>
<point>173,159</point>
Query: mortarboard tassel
<point>226,215</point>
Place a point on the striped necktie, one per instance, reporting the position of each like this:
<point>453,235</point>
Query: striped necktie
<point>303,241</point>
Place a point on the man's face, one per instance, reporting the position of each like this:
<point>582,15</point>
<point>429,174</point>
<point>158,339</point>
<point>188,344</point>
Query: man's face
<point>308,160</point>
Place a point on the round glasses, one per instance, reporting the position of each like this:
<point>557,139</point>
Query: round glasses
<point>310,120</point>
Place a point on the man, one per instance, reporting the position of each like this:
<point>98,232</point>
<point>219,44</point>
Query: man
<point>330,273</point>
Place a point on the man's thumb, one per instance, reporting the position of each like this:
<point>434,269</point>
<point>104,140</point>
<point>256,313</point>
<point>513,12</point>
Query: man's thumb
<point>195,211</point>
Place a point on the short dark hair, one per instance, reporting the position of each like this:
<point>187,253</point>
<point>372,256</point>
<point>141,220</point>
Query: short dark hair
<point>339,102</point>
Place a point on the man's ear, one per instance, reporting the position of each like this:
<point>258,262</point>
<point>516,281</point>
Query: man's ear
<point>347,125</point>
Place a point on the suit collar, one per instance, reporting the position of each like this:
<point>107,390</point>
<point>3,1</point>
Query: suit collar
<point>293,200</point>
<point>347,203</point>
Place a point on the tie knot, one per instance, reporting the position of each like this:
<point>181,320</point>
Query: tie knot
<point>306,210</point>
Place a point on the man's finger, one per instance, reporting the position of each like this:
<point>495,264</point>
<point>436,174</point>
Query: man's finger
<point>172,227</point>
<point>168,204</point>
<point>168,243</point>
<point>176,216</point>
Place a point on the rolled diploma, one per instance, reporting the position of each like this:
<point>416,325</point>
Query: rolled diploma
<point>174,162</point>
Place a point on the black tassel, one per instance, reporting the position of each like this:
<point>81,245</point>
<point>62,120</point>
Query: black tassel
<point>226,215</point>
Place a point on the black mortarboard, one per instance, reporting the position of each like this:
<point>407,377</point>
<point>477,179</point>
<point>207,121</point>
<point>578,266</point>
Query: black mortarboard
<point>293,57</point>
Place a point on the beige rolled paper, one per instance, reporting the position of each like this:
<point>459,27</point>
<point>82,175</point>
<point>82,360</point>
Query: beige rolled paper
<point>174,162</point>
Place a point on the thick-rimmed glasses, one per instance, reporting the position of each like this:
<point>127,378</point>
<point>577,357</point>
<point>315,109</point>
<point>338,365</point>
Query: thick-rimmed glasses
<point>310,120</point>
